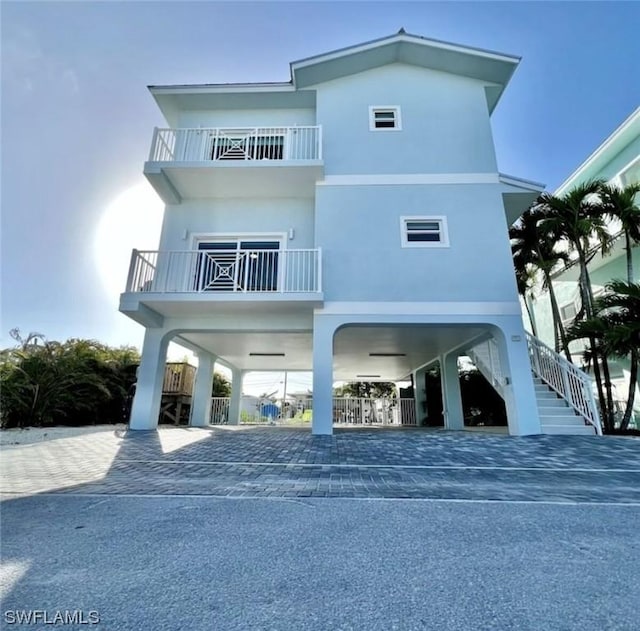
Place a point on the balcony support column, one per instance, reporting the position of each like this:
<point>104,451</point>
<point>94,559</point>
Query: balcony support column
<point>451,395</point>
<point>420,394</point>
<point>202,390</point>
<point>146,402</point>
<point>237,377</point>
<point>518,389</point>
<point>323,331</point>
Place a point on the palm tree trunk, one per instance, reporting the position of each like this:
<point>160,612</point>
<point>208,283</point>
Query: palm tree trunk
<point>633,380</point>
<point>587,303</point>
<point>608,388</point>
<point>557,321</point>
<point>608,411</point>
<point>627,240</point>
<point>531,320</point>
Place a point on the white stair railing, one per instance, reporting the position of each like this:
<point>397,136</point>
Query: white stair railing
<point>486,357</point>
<point>571,383</point>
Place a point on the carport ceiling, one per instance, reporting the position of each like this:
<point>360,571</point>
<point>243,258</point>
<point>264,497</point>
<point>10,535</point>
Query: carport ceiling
<point>417,345</point>
<point>391,352</point>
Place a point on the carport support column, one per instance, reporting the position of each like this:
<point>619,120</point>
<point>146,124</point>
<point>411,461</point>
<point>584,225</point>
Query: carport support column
<point>201,398</point>
<point>420,394</point>
<point>146,402</point>
<point>519,392</point>
<point>451,395</point>
<point>237,377</point>
<point>323,331</point>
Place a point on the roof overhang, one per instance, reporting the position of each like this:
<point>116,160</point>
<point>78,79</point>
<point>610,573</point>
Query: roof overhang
<point>612,146</point>
<point>172,99</point>
<point>491,67</point>
<point>518,195</point>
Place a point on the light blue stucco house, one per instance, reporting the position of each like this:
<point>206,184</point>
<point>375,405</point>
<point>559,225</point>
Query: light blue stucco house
<point>617,161</point>
<point>352,222</point>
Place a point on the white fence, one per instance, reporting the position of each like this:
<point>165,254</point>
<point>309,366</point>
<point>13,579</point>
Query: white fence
<point>236,143</point>
<point>188,271</point>
<point>346,411</point>
<point>571,383</point>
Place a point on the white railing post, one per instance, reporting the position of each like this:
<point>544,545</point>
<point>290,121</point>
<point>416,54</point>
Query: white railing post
<point>132,269</point>
<point>319,140</point>
<point>154,143</point>
<point>566,386</point>
<point>283,262</point>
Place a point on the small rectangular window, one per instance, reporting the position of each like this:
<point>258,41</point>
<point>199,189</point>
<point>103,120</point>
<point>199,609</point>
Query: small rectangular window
<point>387,117</point>
<point>424,232</point>
<point>569,312</point>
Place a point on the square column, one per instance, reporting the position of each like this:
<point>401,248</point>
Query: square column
<point>518,389</point>
<point>201,397</point>
<point>237,377</point>
<point>420,394</point>
<point>322,422</point>
<point>451,395</point>
<point>146,402</point>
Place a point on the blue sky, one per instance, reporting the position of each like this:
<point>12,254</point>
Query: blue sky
<point>77,118</point>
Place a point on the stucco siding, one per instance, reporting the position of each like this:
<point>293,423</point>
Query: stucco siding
<point>444,117</point>
<point>359,230</point>
<point>231,216</point>
<point>620,160</point>
<point>247,118</point>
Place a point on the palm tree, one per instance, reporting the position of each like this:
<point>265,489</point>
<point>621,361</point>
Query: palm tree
<point>617,328</point>
<point>533,248</point>
<point>525,280</point>
<point>620,204</point>
<point>580,219</point>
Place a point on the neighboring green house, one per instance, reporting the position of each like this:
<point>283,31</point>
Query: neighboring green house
<point>616,160</point>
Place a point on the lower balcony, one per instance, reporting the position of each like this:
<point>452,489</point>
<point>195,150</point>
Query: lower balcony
<point>166,281</point>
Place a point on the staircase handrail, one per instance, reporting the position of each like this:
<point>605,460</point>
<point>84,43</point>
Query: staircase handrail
<point>570,382</point>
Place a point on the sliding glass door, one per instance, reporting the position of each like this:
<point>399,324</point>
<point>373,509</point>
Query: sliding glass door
<point>237,265</point>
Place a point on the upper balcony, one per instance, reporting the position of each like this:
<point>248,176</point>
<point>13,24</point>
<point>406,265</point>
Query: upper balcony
<point>235,162</point>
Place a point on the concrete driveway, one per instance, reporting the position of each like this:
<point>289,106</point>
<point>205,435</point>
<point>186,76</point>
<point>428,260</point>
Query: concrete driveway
<point>271,528</point>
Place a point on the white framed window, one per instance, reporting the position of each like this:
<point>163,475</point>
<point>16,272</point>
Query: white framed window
<point>384,118</point>
<point>568,313</point>
<point>631,173</point>
<point>424,232</point>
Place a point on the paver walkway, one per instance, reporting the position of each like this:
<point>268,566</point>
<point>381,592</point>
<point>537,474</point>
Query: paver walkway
<point>360,463</point>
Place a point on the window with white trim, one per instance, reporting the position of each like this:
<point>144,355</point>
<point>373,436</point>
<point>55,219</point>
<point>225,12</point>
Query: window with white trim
<point>631,173</point>
<point>424,232</point>
<point>383,118</point>
<point>568,313</point>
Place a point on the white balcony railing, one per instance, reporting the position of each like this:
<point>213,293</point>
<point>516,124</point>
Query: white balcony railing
<point>248,271</point>
<point>236,143</point>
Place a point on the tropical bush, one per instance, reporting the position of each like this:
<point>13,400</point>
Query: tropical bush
<point>77,382</point>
